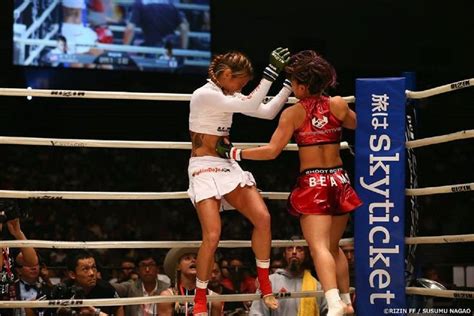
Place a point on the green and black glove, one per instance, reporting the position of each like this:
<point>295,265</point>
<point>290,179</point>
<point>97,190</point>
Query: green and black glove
<point>278,60</point>
<point>225,149</point>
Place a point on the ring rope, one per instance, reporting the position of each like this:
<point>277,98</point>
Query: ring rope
<point>18,92</point>
<point>454,188</point>
<point>45,244</point>
<point>211,298</point>
<point>120,95</point>
<point>151,300</point>
<point>441,89</point>
<point>445,239</point>
<point>90,195</point>
<point>440,139</point>
<point>96,143</point>
<point>469,295</point>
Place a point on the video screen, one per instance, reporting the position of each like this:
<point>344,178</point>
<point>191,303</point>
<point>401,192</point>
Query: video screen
<point>141,35</point>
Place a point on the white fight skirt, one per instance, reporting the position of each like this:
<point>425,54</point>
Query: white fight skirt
<point>215,177</point>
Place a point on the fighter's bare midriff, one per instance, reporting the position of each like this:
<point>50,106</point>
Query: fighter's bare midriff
<point>204,144</point>
<point>319,156</point>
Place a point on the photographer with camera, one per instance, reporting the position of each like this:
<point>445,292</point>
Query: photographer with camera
<point>84,284</point>
<point>10,212</point>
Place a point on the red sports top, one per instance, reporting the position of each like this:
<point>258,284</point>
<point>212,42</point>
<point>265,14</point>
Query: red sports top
<point>320,125</point>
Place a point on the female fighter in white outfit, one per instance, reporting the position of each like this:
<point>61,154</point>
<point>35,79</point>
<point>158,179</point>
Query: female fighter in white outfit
<point>212,178</point>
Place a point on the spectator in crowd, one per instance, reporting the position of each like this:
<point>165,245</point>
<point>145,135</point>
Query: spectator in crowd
<point>294,277</point>
<point>147,284</point>
<point>180,266</point>
<point>84,284</point>
<point>99,15</point>
<point>239,282</point>
<point>224,265</point>
<point>33,282</point>
<point>61,46</point>
<point>158,19</point>
<point>126,272</point>
<point>215,285</point>
<point>276,263</point>
<point>9,279</point>
<point>78,36</point>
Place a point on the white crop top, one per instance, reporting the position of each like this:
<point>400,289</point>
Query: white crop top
<point>211,110</point>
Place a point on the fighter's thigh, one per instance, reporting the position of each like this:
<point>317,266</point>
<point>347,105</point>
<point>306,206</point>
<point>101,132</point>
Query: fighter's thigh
<point>208,211</point>
<point>248,201</point>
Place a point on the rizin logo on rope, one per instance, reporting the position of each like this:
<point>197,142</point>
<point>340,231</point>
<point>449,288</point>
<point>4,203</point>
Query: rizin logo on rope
<point>460,84</point>
<point>68,93</point>
<point>319,122</point>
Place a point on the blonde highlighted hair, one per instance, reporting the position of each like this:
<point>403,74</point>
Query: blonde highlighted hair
<point>237,62</point>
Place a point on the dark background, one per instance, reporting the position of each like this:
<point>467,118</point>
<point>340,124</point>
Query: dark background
<point>434,39</point>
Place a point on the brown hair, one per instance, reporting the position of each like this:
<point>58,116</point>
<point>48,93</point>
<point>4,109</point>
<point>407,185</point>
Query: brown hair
<point>237,62</point>
<point>309,68</point>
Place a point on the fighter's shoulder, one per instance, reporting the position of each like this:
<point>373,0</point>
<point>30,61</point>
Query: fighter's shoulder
<point>338,106</point>
<point>337,103</point>
<point>293,112</point>
<point>204,92</point>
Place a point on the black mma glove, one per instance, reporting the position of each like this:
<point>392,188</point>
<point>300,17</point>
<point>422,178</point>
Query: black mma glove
<point>278,60</point>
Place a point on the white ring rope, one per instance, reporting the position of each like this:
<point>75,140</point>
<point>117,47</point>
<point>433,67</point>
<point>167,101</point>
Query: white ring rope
<point>149,244</point>
<point>441,89</point>
<point>90,195</point>
<point>445,239</point>
<point>97,143</point>
<point>45,244</point>
<point>121,95</point>
<point>440,139</point>
<point>454,188</point>
<point>151,299</point>
<point>469,295</point>
<point>211,298</point>
<point>186,97</point>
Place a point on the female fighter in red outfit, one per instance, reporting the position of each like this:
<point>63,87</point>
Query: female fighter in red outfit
<point>323,196</point>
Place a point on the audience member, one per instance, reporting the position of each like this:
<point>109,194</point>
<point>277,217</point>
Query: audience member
<point>32,283</point>
<point>83,283</point>
<point>158,19</point>
<point>295,277</point>
<point>78,36</point>
<point>180,266</point>
<point>215,285</point>
<point>239,281</point>
<point>147,284</point>
<point>9,278</point>
<point>126,272</point>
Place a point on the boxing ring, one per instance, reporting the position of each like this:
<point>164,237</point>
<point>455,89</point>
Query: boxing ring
<point>88,195</point>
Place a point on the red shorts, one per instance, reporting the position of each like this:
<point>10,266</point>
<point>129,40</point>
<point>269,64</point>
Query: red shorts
<point>323,192</point>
